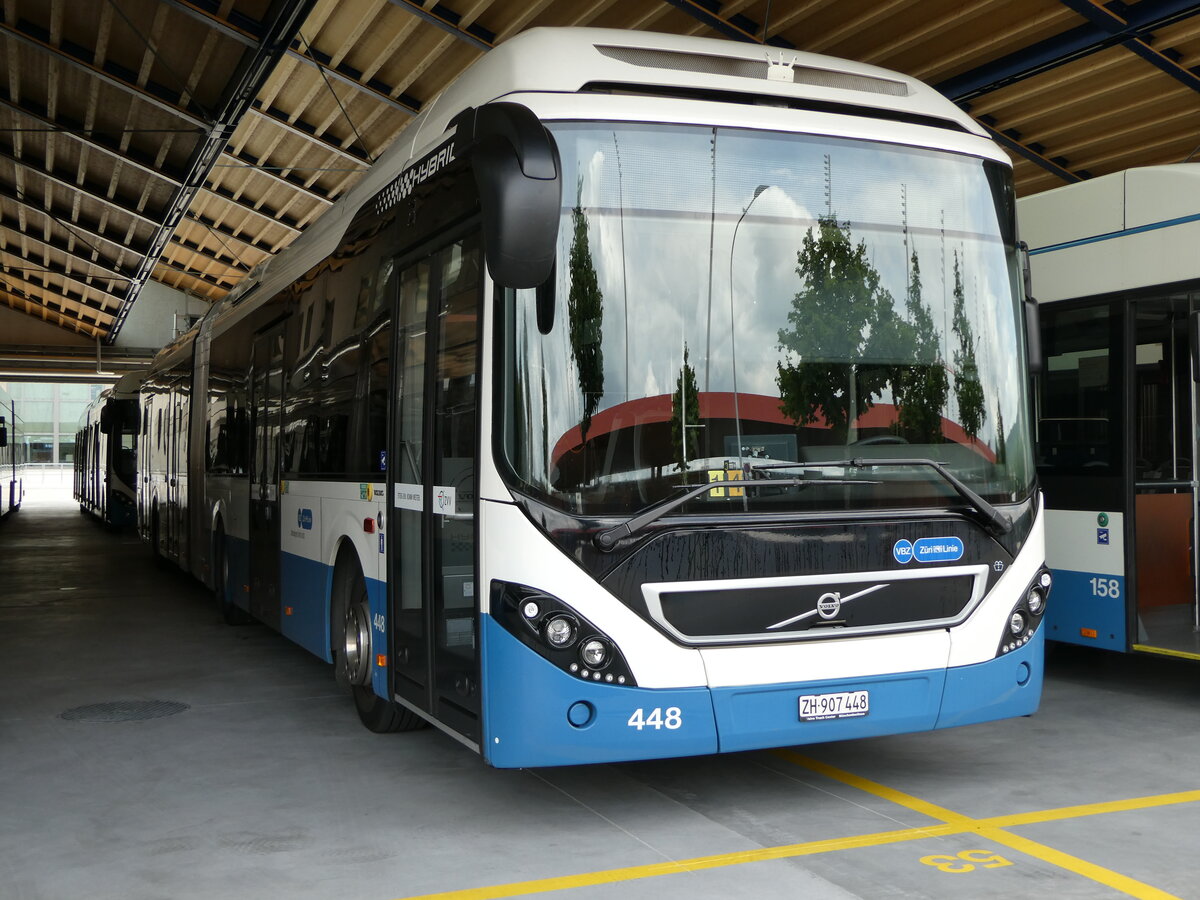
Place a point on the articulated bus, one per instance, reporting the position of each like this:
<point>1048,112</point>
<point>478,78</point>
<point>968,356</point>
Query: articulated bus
<point>105,465</point>
<point>14,455</point>
<point>653,396</point>
<point>1115,269</point>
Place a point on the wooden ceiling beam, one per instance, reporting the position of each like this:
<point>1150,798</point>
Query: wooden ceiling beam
<point>152,94</point>
<point>63,247</point>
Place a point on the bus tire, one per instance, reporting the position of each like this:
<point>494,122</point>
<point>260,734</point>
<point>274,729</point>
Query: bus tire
<point>230,611</point>
<point>352,649</point>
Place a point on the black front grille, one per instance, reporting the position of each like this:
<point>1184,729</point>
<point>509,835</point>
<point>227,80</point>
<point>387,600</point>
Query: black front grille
<point>791,609</point>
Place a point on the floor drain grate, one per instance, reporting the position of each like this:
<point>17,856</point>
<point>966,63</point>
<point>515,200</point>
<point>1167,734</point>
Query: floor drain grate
<point>124,711</point>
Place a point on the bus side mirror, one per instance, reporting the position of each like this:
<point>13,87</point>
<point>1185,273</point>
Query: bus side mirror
<point>3,433</point>
<point>1194,343</point>
<point>1033,316</point>
<point>516,168</point>
<point>106,420</point>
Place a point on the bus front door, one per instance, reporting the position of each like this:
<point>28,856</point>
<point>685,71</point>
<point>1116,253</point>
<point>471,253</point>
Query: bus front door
<point>266,385</point>
<point>1164,438</point>
<point>434,595</point>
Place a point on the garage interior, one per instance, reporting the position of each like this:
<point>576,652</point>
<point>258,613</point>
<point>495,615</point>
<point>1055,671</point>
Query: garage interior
<point>152,153</point>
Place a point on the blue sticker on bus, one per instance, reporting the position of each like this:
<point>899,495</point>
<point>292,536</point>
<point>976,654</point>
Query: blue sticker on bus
<point>903,551</point>
<point>1102,536</point>
<point>938,549</point>
<point>304,518</point>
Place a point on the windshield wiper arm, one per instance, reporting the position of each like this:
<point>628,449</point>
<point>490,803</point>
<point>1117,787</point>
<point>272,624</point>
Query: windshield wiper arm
<point>992,517</point>
<point>607,539</point>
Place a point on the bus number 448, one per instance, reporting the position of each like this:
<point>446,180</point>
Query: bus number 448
<point>657,718</point>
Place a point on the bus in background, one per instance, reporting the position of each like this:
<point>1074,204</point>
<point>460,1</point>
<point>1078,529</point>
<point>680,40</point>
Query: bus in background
<point>105,465</point>
<point>14,455</point>
<point>1115,270</point>
<point>654,396</point>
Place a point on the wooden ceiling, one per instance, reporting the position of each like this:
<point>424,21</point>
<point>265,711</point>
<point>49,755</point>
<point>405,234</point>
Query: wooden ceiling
<point>184,141</point>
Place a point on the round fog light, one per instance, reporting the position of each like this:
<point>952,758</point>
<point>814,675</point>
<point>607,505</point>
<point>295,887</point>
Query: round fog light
<point>560,632</point>
<point>1045,580</point>
<point>594,653</point>
<point>1017,623</point>
<point>531,610</point>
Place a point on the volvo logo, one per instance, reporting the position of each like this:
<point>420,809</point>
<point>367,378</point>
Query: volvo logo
<point>828,606</point>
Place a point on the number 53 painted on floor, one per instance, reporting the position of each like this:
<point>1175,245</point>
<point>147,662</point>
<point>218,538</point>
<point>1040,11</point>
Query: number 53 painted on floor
<point>962,862</point>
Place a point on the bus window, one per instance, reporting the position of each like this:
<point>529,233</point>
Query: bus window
<point>1079,415</point>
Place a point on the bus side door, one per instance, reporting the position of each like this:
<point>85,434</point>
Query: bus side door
<point>266,405</point>
<point>434,595</point>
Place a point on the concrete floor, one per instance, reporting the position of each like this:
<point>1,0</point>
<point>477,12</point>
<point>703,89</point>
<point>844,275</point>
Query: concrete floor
<point>266,786</point>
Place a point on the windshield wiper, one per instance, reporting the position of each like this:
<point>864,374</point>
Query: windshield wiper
<point>992,517</point>
<point>607,539</point>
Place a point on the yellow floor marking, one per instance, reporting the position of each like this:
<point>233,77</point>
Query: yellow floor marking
<point>952,823</point>
<point>1163,651</point>
<point>1092,809</point>
<point>696,864</point>
<point>871,787</point>
<point>1099,874</point>
<point>987,829</point>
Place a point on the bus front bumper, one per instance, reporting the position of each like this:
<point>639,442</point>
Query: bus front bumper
<point>538,715</point>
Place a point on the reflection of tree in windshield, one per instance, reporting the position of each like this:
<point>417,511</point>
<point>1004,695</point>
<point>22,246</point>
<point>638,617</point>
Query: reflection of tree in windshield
<point>967,388</point>
<point>585,312</point>
<point>920,389</point>
<point>685,415</point>
<point>841,314</point>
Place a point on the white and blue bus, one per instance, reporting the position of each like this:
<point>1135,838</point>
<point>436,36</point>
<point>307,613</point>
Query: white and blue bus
<point>653,396</point>
<point>105,463</point>
<point>14,456</point>
<point>1116,272</point>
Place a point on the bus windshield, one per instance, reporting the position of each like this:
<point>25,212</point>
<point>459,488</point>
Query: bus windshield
<point>730,304</point>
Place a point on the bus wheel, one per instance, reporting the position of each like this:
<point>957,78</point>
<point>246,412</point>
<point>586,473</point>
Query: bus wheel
<point>352,660</point>
<point>230,611</point>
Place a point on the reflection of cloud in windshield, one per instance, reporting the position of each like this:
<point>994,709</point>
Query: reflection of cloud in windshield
<point>664,260</point>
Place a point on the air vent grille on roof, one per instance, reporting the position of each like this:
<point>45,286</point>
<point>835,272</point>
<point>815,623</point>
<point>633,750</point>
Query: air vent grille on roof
<point>750,68</point>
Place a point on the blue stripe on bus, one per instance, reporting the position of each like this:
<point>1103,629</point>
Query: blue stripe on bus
<point>1153,226</point>
<point>1087,602</point>
<point>529,704</point>
<point>377,601</point>
<point>304,586</point>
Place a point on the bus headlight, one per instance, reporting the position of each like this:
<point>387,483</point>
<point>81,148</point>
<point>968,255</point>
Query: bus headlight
<point>1026,615</point>
<point>1035,600</point>
<point>594,653</point>
<point>559,632</point>
<point>1017,623</point>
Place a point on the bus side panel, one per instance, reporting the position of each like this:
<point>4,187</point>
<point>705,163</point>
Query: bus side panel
<point>1087,559</point>
<point>317,519</point>
<point>305,578</point>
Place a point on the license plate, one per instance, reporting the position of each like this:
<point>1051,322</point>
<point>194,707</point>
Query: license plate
<point>838,705</point>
